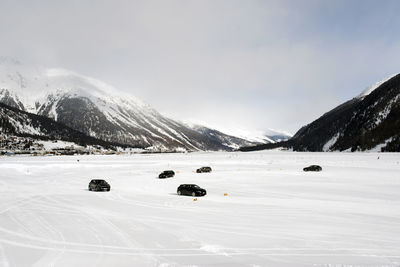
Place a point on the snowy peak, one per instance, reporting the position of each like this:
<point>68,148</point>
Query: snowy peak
<point>35,84</point>
<point>99,110</point>
<point>83,86</point>
<point>372,88</point>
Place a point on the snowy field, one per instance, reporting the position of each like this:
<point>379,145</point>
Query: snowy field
<point>274,213</point>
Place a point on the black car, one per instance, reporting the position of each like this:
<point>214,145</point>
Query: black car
<point>203,169</point>
<point>99,185</point>
<point>191,190</point>
<point>313,168</point>
<point>166,174</point>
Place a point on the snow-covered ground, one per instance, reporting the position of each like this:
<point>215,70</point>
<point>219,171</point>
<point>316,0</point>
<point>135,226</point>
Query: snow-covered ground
<point>48,145</point>
<point>274,214</point>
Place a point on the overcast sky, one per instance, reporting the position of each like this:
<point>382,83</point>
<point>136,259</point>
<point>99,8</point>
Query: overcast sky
<point>230,64</point>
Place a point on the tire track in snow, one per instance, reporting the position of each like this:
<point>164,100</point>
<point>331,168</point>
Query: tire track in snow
<point>3,258</point>
<point>21,202</point>
<point>238,253</point>
<point>209,227</point>
<point>53,230</point>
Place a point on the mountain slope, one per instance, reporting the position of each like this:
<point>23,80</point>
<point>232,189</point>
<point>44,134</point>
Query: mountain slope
<point>20,123</point>
<point>370,121</point>
<point>99,110</point>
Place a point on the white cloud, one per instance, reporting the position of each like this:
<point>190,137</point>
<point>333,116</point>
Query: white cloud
<point>257,64</point>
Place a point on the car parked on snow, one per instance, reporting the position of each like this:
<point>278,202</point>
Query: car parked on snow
<point>203,169</point>
<point>191,190</point>
<point>99,185</point>
<point>313,168</point>
<point>166,174</point>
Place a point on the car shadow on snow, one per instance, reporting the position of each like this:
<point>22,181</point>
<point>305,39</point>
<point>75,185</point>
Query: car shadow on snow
<point>85,189</point>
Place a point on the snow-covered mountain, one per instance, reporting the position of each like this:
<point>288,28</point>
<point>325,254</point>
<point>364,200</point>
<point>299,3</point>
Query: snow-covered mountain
<point>370,121</point>
<point>100,110</point>
<point>16,122</point>
<point>263,137</point>
<point>256,136</point>
<point>277,135</point>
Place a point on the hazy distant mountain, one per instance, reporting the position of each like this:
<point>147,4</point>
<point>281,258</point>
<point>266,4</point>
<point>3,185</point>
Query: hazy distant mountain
<point>259,136</point>
<point>277,136</point>
<point>99,110</point>
<point>370,121</point>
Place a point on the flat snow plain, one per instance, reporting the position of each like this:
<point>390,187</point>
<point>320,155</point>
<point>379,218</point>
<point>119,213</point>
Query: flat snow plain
<point>274,214</point>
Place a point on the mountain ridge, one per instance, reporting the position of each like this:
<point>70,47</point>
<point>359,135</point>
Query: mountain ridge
<point>370,121</point>
<point>101,111</point>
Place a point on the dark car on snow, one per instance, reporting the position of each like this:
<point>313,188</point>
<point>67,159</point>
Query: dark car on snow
<point>203,169</point>
<point>313,168</point>
<point>166,174</point>
<point>191,190</point>
<point>99,185</point>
